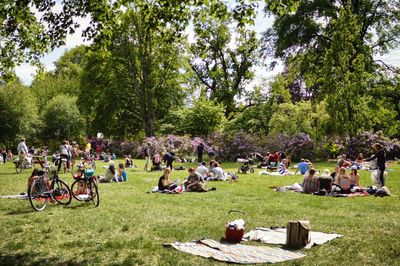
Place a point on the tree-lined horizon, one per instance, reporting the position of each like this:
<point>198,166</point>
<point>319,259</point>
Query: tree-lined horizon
<point>142,77</point>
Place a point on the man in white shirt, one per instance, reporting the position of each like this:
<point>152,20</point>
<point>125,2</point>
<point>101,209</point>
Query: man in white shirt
<point>22,149</point>
<point>203,170</point>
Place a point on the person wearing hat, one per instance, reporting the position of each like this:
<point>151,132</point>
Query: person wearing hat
<point>380,157</point>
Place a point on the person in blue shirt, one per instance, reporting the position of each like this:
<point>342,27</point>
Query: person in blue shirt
<point>302,167</point>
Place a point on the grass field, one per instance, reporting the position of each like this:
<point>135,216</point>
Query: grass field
<point>130,225</point>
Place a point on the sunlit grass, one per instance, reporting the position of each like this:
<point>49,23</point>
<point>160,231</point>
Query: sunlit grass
<point>131,225</point>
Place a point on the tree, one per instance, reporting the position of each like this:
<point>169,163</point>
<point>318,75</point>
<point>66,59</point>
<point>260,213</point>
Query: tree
<point>330,45</point>
<point>301,38</point>
<point>62,119</point>
<point>223,70</point>
<point>140,81</point>
<point>26,35</point>
<point>18,114</point>
<point>346,78</point>
<point>64,79</point>
<point>203,118</point>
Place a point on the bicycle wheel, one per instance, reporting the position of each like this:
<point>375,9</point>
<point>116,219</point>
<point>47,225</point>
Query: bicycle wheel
<point>37,196</point>
<point>79,190</point>
<point>61,192</point>
<point>19,167</point>
<point>94,193</point>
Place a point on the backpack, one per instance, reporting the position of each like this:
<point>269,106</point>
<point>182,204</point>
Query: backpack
<point>297,234</point>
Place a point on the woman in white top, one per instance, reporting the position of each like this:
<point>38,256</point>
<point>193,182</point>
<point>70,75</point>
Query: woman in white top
<point>219,173</point>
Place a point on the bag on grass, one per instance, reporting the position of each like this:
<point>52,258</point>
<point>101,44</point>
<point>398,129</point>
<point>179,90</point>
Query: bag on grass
<point>297,234</point>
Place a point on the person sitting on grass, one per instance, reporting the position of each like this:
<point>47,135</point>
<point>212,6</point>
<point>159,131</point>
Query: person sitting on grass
<point>194,183</point>
<point>310,182</point>
<point>218,173</point>
<point>164,182</point>
<point>343,181</point>
<point>203,170</point>
<point>325,181</point>
<point>355,179</point>
<point>110,175</point>
<point>282,167</point>
<point>121,175</point>
<point>302,166</point>
<point>128,161</point>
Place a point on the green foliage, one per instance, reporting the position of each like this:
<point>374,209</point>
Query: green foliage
<point>202,119</point>
<point>223,71</point>
<point>65,79</point>
<point>62,119</point>
<point>18,114</point>
<point>139,82</point>
<point>346,78</point>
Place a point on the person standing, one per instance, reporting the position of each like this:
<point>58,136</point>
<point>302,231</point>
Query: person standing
<point>147,156</point>
<point>22,150</point>
<point>4,154</point>
<point>64,155</point>
<point>380,157</point>
<point>200,151</point>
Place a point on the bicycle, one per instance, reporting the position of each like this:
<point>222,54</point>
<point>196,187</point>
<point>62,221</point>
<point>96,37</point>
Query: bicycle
<point>89,161</point>
<point>85,186</point>
<point>41,191</point>
<point>22,164</point>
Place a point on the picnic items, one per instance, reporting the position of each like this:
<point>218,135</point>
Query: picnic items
<point>234,229</point>
<point>298,234</point>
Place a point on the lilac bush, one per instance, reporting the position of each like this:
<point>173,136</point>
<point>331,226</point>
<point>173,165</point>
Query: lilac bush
<point>362,143</point>
<point>120,148</point>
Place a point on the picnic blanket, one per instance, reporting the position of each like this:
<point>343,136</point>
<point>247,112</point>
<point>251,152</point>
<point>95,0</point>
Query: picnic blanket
<point>278,236</point>
<point>19,196</point>
<point>235,253</point>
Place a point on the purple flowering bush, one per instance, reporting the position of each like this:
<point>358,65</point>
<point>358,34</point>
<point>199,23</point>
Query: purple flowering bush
<point>183,146</point>
<point>300,146</point>
<point>362,143</point>
<point>120,148</point>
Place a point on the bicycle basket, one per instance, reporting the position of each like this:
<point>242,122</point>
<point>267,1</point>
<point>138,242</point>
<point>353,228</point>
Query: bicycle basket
<point>89,172</point>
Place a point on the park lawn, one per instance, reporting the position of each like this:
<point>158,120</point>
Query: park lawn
<point>131,225</point>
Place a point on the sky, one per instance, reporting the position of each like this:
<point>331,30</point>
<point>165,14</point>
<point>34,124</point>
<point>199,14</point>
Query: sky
<point>26,72</point>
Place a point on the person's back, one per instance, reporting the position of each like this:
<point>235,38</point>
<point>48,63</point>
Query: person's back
<point>325,181</point>
<point>219,173</point>
<point>310,182</point>
<point>202,170</point>
<point>302,167</point>
<point>282,167</point>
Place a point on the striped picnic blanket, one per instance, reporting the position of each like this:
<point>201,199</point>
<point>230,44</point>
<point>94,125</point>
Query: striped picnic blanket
<point>235,253</point>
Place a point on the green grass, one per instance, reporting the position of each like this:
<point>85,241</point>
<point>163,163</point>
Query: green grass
<point>130,226</point>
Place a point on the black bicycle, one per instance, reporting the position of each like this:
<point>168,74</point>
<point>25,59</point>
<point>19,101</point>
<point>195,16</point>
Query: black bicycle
<point>85,187</point>
<point>41,190</point>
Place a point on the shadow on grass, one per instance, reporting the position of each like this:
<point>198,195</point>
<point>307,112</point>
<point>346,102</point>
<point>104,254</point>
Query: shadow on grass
<point>19,212</point>
<point>35,259</point>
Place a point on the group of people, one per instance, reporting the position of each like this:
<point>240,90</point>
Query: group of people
<point>193,183</point>
<point>114,175</point>
<point>341,181</point>
<point>5,155</point>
